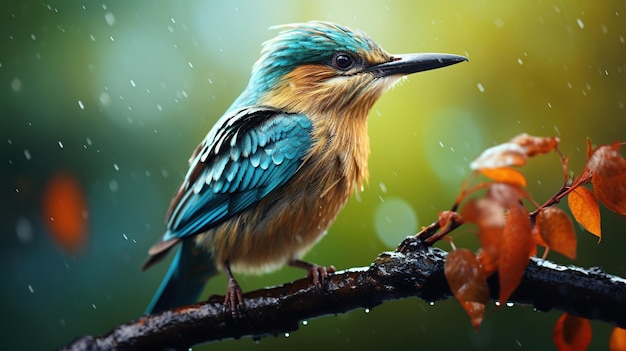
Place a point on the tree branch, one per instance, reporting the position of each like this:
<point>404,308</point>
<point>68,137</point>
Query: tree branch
<point>414,270</point>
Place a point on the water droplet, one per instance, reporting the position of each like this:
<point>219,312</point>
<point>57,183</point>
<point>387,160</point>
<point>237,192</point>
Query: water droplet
<point>27,154</point>
<point>520,61</point>
<point>305,322</point>
<point>93,305</point>
<point>480,87</point>
<point>24,230</point>
<point>125,237</point>
<point>497,303</point>
<point>16,85</point>
<point>60,144</point>
<point>132,83</point>
<point>190,64</point>
<point>117,168</point>
<point>109,18</point>
<point>80,104</point>
<point>549,104</point>
<point>432,303</point>
<point>92,37</point>
<point>510,304</point>
<point>286,335</point>
<point>32,36</point>
<point>383,187</point>
<point>114,186</point>
<point>367,310</point>
<point>580,23</point>
<point>159,107</point>
<point>30,288</point>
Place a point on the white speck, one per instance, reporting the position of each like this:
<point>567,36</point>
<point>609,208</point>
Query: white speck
<point>497,303</point>
<point>519,60</point>
<point>60,144</point>
<point>159,107</point>
<point>305,322</point>
<point>80,104</point>
<point>24,230</point>
<point>480,87</point>
<point>117,168</point>
<point>184,93</point>
<point>88,141</point>
<point>92,37</point>
<point>27,154</point>
<point>367,310</point>
<point>113,186</point>
<point>549,104</point>
<point>510,304</point>
<point>125,237</point>
<point>432,303</point>
<point>383,187</point>
<point>104,7</point>
<point>441,143</point>
<point>16,85</point>
<point>286,335</point>
<point>32,36</point>
<point>30,288</point>
<point>173,20</point>
<point>210,81</point>
<point>104,98</point>
<point>190,64</point>
<point>580,23</point>
<point>111,37</point>
<point>93,305</point>
<point>132,83</point>
<point>110,18</point>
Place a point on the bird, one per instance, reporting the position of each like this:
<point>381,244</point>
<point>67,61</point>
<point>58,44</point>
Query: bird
<point>275,170</point>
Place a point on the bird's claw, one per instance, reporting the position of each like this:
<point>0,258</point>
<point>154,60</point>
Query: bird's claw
<point>233,300</point>
<point>319,274</point>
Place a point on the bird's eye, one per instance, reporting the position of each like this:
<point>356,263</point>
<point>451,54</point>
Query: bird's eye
<point>343,61</point>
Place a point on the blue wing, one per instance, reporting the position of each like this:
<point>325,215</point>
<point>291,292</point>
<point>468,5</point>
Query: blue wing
<point>247,154</point>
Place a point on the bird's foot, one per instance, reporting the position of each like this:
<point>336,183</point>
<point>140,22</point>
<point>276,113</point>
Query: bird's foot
<point>317,273</point>
<point>233,300</point>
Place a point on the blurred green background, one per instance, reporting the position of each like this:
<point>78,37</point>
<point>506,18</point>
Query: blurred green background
<point>119,93</point>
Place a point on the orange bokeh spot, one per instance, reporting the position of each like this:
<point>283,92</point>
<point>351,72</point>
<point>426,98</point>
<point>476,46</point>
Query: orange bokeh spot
<point>65,212</point>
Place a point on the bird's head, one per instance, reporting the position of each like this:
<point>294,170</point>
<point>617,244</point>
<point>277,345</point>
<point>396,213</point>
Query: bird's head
<point>319,67</point>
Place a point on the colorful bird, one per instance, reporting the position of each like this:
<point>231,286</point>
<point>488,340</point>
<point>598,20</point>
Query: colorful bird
<point>275,170</point>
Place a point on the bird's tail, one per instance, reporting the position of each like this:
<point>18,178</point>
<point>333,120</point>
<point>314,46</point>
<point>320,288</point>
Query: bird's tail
<point>185,279</point>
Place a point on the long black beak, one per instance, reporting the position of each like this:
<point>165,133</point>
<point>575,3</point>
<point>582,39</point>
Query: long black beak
<point>412,63</point>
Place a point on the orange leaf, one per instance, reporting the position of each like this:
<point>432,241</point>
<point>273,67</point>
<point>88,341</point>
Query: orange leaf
<point>448,217</point>
<point>609,177</point>
<point>571,333</point>
<point>536,145</point>
<point>504,175</point>
<point>517,244</point>
<point>618,340</point>
<point>557,230</point>
<point>489,215</point>
<point>502,155</point>
<point>585,208</point>
<point>65,212</point>
<point>468,283</point>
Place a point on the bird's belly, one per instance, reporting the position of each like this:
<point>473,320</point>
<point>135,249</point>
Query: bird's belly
<point>266,236</point>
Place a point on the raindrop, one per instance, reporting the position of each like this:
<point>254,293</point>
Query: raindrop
<point>109,18</point>
<point>88,141</point>
<point>286,335</point>
<point>93,305</point>
<point>510,304</point>
<point>305,322</point>
<point>80,104</point>
<point>33,36</point>
<point>519,60</point>
<point>117,168</point>
<point>580,23</point>
<point>173,20</point>
<point>124,235</point>
<point>132,83</point>
<point>190,64</point>
<point>24,230</point>
<point>480,87</point>
<point>159,107</point>
<point>60,144</point>
<point>30,288</point>
<point>431,303</point>
<point>497,303</point>
<point>104,98</point>
<point>16,85</point>
<point>367,310</point>
<point>210,81</point>
<point>92,37</point>
<point>27,154</point>
<point>114,186</point>
<point>549,104</point>
<point>383,187</point>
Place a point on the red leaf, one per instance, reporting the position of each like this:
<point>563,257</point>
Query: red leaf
<point>535,145</point>
<point>468,283</point>
<point>585,208</point>
<point>609,177</point>
<point>489,215</point>
<point>557,230</point>
<point>618,340</point>
<point>504,175</point>
<point>65,212</point>
<point>515,249</point>
<point>571,333</point>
